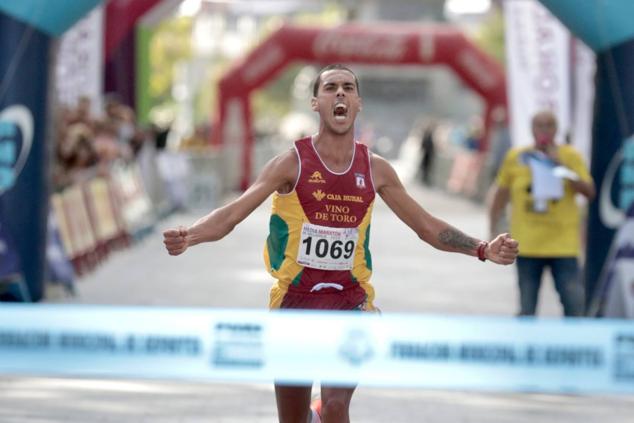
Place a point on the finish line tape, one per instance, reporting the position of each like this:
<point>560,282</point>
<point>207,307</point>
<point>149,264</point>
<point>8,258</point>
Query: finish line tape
<point>389,350</point>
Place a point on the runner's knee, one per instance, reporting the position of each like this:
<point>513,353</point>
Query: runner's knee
<point>334,409</point>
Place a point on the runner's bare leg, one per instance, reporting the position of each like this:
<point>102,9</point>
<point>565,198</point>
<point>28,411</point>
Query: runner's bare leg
<point>293,402</point>
<point>335,404</point>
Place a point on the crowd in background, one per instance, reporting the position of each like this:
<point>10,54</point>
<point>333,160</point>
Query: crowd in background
<point>110,184</point>
<point>88,145</point>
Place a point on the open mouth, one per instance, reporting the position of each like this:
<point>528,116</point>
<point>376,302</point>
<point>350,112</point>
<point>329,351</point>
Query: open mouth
<point>340,112</point>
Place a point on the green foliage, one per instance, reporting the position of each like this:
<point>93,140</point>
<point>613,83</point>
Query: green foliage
<point>490,37</point>
<point>170,43</point>
<point>274,101</point>
<point>206,101</point>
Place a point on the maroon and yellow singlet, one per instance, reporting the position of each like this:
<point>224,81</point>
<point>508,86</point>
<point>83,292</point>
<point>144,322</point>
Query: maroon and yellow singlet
<point>319,234</point>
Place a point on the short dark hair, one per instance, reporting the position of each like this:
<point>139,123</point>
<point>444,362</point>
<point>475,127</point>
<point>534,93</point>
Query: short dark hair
<point>334,66</point>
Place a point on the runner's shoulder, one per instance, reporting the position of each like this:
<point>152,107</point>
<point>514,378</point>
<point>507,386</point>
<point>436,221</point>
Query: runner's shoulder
<point>285,165</point>
<point>379,162</point>
<point>382,170</point>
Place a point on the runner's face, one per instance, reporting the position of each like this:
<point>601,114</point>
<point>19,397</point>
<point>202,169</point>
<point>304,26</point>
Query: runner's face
<point>337,101</point>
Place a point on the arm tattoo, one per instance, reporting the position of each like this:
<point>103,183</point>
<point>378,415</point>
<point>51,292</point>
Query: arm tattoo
<point>453,238</point>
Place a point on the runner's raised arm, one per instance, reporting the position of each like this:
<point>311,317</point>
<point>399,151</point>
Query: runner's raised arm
<point>436,232</point>
<point>278,174</point>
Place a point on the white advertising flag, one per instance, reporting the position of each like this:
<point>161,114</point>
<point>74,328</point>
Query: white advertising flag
<point>584,68</point>
<point>538,66</point>
<point>79,63</point>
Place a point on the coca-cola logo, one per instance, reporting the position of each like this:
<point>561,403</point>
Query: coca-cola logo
<point>388,48</point>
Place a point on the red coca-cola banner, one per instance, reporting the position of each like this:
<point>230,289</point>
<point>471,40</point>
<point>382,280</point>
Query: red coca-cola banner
<point>389,44</point>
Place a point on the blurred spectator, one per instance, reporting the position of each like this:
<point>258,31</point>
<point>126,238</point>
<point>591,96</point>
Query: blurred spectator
<point>428,152</point>
<point>160,136</point>
<point>199,140</point>
<point>474,136</point>
<point>500,140</point>
<point>88,146</point>
<point>106,143</point>
<point>82,112</point>
<point>468,162</point>
<point>547,227</point>
<point>75,155</point>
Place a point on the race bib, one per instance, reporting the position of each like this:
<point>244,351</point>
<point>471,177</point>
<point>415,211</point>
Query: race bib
<point>327,248</point>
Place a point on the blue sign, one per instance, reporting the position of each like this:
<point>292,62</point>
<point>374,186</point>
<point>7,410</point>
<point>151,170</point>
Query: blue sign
<point>626,196</point>
<point>8,134</point>
<point>23,163</point>
<point>600,24</point>
<point>52,17</point>
<point>612,157</point>
<point>16,137</point>
<point>9,260</point>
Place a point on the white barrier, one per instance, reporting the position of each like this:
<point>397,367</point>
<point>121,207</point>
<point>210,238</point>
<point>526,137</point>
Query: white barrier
<point>396,350</point>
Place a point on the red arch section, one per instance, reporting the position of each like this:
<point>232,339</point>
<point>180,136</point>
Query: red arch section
<point>392,44</point>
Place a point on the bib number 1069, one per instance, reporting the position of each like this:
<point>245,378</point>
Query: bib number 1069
<point>326,248</point>
<point>335,249</point>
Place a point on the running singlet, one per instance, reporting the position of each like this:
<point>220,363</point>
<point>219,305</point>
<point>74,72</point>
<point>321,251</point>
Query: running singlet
<point>319,234</point>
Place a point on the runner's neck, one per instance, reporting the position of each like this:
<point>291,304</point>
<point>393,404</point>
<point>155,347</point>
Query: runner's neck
<point>336,152</point>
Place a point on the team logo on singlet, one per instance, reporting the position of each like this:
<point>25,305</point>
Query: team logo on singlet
<point>360,179</point>
<point>316,178</point>
<point>319,195</point>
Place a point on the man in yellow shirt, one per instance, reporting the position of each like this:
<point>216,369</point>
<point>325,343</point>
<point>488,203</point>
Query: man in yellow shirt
<point>541,182</point>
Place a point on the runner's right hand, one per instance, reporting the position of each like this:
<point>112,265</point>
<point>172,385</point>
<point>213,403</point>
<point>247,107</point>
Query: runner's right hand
<point>175,240</point>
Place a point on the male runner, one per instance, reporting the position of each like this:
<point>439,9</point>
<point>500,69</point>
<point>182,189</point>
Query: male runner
<point>318,247</point>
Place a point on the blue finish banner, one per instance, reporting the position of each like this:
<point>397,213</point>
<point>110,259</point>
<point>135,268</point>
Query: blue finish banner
<point>23,166</point>
<point>612,157</point>
<point>585,356</point>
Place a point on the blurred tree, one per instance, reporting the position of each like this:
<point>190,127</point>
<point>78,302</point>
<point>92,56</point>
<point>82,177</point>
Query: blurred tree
<point>206,102</point>
<point>490,36</point>
<point>273,102</point>
<point>170,43</point>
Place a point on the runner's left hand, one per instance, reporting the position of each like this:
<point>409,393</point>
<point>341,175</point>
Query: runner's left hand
<point>502,250</point>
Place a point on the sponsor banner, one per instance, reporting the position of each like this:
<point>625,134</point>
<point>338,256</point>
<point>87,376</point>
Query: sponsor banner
<point>538,63</point>
<point>583,72</point>
<point>612,165</point>
<point>614,296</point>
<point>380,47</point>
<point>620,299</point>
<point>9,259</point>
<point>23,167</point>
<point>585,356</point>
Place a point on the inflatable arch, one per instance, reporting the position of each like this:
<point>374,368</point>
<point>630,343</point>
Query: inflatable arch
<point>391,44</point>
